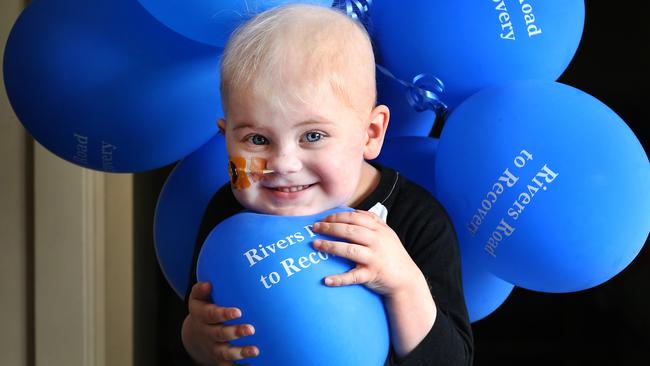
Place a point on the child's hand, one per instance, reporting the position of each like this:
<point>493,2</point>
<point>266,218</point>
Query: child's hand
<point>205,337</point>
<point>383,264</point>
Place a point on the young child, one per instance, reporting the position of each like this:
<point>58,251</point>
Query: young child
<point>298,90</point>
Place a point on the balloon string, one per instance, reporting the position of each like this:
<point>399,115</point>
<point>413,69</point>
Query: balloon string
<point>355,9</point>
<point>421,92</point>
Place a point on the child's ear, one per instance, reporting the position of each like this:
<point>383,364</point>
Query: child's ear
<point>379,117</point>
<point>221,123</point>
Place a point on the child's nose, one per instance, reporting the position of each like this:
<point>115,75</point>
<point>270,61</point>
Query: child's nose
<point>284,162</point>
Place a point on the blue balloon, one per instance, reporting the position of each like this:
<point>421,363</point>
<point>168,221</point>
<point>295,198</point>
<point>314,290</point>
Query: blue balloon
<point>484,292</point>
<point>547,187</point>
<point>181,206</point>
<point>267,266</point>
<point>470,47</point>
<point>211,21</point>
<point>414,157</point>
<point>104,85</point>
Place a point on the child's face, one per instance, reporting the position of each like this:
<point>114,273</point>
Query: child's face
<point>315,148</point>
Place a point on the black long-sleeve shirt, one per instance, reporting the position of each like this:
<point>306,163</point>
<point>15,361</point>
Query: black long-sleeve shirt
<point>428,236</point>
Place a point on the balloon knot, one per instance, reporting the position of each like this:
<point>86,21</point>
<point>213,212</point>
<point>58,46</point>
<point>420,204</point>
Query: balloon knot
<point>422,92</point>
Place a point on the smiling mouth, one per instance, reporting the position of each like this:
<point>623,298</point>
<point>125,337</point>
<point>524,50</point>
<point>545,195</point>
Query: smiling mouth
<point>291,189</point>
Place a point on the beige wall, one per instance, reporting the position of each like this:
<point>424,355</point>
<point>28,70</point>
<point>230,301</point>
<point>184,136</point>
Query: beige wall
<point>119,239</point>
<point>14,222</point>
<point>66,252</point>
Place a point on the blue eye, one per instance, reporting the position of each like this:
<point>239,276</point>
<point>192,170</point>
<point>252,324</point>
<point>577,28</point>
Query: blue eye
<point>258,140</point>
<point>313,136</point>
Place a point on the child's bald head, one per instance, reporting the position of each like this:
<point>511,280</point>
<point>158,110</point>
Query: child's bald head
<point>297,52</point>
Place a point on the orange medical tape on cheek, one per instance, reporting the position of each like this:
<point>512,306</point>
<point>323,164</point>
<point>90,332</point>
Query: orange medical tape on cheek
<point>244,170</point>
<point>236,167</point>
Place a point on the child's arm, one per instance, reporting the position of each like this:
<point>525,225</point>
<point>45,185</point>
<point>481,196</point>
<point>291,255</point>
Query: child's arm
<point>383,264</point>
<point>205,337</point>
<point>412,312</point>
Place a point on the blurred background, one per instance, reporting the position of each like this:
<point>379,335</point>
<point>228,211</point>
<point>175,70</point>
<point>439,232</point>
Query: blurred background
<point>93,294</point>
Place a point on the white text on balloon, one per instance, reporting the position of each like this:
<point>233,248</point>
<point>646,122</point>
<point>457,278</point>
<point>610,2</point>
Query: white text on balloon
<point>542,178</point>
<point>507,29</point>
<point>288,264</point>
<point>491,197</point>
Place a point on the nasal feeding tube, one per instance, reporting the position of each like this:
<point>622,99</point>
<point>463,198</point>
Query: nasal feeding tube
<point>243,171</point>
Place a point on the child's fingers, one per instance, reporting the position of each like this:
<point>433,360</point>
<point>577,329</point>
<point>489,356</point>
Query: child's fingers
<point>356,253</point>
<point>213,314</point>
<point>373,216</point>
<point>200,307</point>
<point>208,313</point>
<point>225,352</point>
<point>358,217</point>
<point>346,231</point>
<point>201,291</point>
<point>355,276</point>
<point>229,333</point>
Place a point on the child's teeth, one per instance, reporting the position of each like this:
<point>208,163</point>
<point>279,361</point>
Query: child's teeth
<point>292,189</point>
